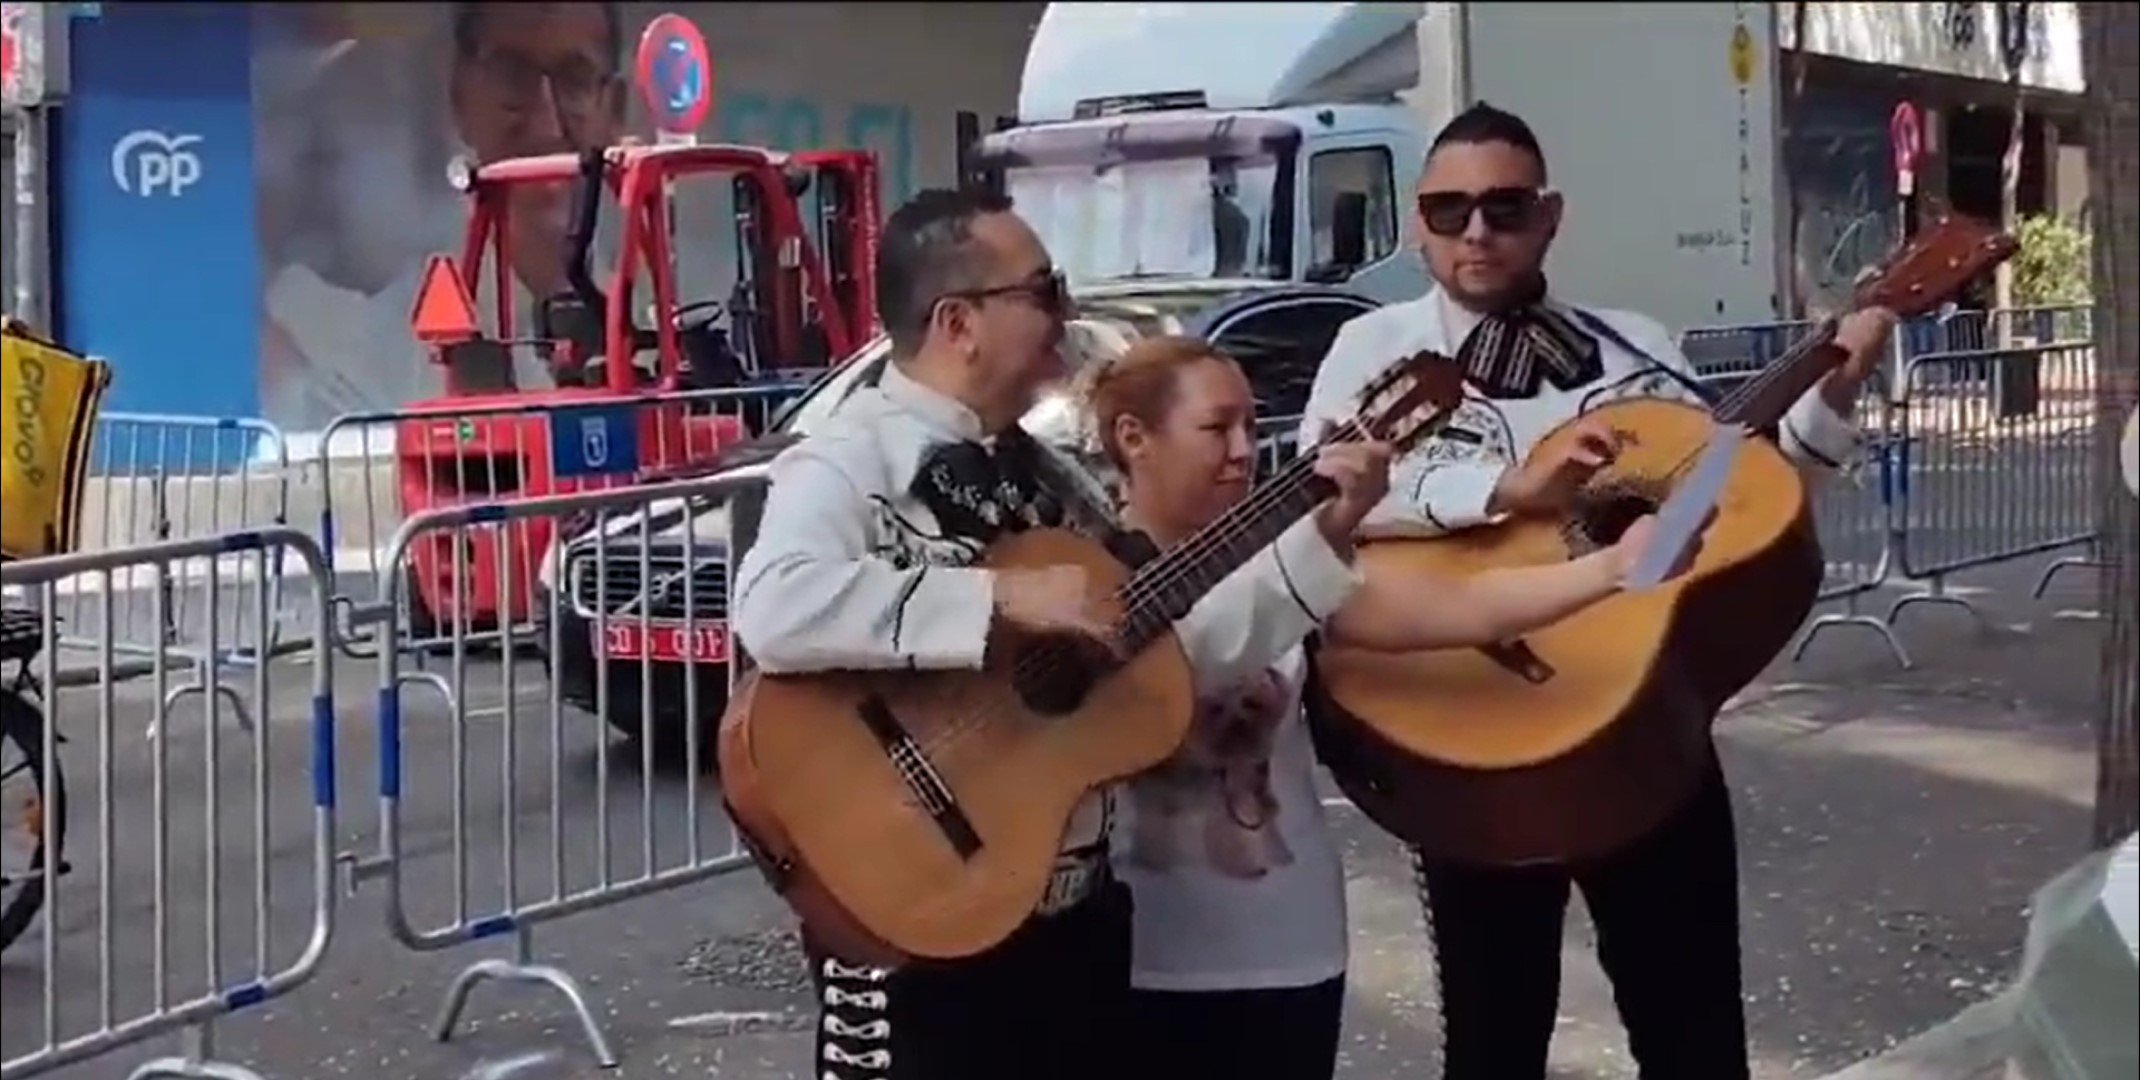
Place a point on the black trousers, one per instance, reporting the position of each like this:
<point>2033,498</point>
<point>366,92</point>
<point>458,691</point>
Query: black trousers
<point>1288,1034</point>
<point>1049,1003</point>
<point>1666,910</point>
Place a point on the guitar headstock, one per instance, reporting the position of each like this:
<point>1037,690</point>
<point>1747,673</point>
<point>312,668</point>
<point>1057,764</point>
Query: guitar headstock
<point>1938,262</point>
<point>1412,399</point>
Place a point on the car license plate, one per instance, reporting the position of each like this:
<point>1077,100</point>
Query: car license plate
<point>630,639</point>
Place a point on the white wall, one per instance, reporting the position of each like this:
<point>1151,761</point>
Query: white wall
<point>1666,158</point>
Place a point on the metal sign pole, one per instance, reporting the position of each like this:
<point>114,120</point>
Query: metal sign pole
<point>31,76</point>
<point>29,303</point>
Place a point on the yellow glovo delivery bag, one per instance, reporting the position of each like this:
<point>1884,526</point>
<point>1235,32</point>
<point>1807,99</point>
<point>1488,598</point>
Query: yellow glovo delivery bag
<point>51,398</point>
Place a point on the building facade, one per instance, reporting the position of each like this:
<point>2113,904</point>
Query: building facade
<point>1950,61</point>
<point>233,202</point>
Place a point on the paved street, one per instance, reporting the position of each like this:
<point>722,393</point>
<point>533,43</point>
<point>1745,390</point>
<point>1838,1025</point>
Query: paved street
<point>1894,825</point>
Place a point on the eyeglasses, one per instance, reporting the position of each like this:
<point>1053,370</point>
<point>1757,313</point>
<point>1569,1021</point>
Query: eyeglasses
<point>1503,209</point>
<point>1050,292</point>
<point>576,85</point>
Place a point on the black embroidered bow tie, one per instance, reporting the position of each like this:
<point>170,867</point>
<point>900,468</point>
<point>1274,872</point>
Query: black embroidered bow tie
<point>977,494</point>
<point>1511,351</point>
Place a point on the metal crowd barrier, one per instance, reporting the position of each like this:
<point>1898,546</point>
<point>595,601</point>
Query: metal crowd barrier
<point>1973,455</point>
<point>1855,513</point>
<point>1998,448</point>
<point>1971,330</point>
<point>157,478</point>
<point>184,820</point>
<point>378,468</point>
<point>618,610</point>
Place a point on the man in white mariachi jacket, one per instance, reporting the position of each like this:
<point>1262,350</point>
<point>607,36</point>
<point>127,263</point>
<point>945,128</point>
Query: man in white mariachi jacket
<point>863,561</point>
<point>1665,907</point>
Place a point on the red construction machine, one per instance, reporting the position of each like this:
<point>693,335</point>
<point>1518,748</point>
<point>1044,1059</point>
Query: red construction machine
<point>622,399</point>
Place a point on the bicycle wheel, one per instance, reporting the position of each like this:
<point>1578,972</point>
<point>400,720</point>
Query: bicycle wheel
<point>30,788</point>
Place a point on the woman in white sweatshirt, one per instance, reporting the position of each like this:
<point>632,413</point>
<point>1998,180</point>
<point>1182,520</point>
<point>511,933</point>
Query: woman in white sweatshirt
<point>1239,926</point>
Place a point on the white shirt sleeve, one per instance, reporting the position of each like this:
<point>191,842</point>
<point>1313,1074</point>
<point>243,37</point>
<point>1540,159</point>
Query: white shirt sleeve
<point>1439,492</point>
<point>1268,606</point>
<point>1813,433</point>
<point>810,595</point>
<point>1441,495</point>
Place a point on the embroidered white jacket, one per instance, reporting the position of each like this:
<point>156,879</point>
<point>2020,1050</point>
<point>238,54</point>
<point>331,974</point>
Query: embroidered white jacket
<point>1443,484</point>
<point>851,571</point>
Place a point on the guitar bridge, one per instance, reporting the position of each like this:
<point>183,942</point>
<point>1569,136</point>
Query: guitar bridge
<point>1518,657</point>
<point>920,776</point>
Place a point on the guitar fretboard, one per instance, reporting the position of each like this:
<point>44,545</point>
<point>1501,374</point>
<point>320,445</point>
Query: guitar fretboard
<point>1760,402</point>
<point>1164,589</point>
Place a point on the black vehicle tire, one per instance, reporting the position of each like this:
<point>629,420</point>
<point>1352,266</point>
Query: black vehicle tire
<point>22,724</point>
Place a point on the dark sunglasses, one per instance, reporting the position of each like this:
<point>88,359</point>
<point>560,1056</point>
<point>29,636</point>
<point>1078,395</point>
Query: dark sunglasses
<point>1505,209</point>
<point>1050,293</point>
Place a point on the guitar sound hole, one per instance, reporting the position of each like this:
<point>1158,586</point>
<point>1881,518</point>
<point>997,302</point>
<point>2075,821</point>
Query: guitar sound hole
<point>1604,511</point>
<point>1053,674</point>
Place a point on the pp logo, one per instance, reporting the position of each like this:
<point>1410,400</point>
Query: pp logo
<point>148,163</point>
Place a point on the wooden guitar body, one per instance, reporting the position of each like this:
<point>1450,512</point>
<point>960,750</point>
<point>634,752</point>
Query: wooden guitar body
<point>846,833</point>
<point>1467,759</point>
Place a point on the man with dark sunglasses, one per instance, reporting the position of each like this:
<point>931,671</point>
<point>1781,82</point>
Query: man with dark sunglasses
<point>865,559</point>
<point>1665,907</point>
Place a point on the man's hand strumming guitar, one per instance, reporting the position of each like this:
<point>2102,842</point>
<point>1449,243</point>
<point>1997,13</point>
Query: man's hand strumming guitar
<point>1548,483</point>
<point>1049,600</point>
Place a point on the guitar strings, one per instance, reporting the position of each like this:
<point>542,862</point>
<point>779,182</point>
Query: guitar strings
<point>1178,563</point>
<point>1144,586</point>
<point>1169,570</point>
<point>1754,387</point>
<point>1175,566</point>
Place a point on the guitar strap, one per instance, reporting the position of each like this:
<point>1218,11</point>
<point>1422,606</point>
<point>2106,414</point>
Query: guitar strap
<point>1605,330</point>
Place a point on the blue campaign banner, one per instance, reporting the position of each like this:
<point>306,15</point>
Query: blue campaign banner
<point>158,268</point>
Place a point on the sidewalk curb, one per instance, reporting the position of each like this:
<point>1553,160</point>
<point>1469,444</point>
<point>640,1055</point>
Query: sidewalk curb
<point>1974,1045</point>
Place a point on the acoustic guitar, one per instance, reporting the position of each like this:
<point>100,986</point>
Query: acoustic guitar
<point>1568,744</point>
<point>919,814</point>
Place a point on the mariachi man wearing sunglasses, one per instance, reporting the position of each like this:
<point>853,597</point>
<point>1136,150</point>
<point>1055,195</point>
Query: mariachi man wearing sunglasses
<point>866,560</point>
<point>1666,906</point>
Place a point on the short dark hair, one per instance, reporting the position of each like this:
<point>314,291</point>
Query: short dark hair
<point>1482,123</point>
<point>468,29</point>
<point>927,252</point>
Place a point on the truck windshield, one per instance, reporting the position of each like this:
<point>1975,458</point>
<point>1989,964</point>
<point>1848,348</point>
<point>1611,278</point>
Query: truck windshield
<point>1192,217</point>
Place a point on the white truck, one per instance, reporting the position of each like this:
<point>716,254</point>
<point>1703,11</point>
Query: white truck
<point>1187,142</point>
<point>1245,172</point>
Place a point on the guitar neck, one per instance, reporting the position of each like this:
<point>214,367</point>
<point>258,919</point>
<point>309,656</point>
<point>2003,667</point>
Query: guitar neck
<point>1762,402</point>
<point>1164,589</point>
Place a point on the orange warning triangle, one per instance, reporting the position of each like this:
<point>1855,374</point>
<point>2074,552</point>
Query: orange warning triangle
<point>445,313</point>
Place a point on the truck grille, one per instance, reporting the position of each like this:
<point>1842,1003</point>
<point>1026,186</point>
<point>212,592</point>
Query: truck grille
<point>616,588</point>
